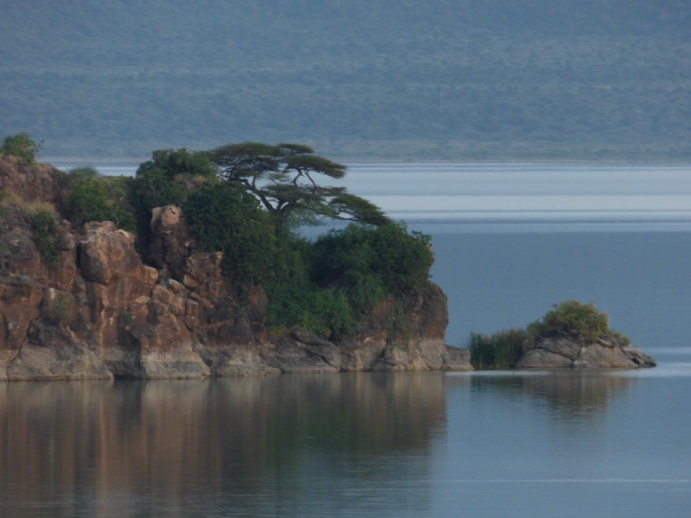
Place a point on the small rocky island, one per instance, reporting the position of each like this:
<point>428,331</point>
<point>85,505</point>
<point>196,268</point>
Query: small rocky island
<point>77,301</point>
<point>572,335</point>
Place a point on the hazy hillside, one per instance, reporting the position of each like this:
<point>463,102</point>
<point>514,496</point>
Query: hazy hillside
<point>441,79</point>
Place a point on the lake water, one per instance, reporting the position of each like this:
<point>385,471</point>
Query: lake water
<point>510,240</point>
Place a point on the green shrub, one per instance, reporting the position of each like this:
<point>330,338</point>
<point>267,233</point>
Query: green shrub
<point>327,285</point>
<point>22,147</point>
<point>324,311</point>
<point>88,201</point>
<point>372,262</point>
<point>296,300</point>
<point>120,211</point>
<point>94,198</point>
<point>45,234</point>
<point>226,218</point>
<point>167,179</point>
<point>575,320</point>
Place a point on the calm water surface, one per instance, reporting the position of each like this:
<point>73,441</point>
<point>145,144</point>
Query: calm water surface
<point>409,444</point>
<point>509,242</point>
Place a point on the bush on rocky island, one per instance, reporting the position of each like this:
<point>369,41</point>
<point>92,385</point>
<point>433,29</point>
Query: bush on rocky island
<point>578,323</point>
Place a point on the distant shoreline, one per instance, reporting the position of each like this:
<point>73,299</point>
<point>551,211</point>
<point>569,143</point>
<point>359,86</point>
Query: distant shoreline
<point>81,161</point>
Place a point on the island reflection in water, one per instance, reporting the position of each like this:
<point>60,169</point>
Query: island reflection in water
<point>570,394</point>
<point>280,444</point>
<point>89,447</point>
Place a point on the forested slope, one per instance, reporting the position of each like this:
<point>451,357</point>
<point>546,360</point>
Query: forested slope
<point>442,79</point>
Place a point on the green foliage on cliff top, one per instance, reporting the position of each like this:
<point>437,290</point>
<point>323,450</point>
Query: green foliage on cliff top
<point>92,198</point>
<point>371,262</point>
<point>167,178</point>
<point>573,319</point>
<point>375,79</point>
<point>295,299</point>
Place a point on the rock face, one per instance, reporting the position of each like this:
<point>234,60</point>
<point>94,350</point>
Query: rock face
<point>607,352</point>
<point>102,313</point>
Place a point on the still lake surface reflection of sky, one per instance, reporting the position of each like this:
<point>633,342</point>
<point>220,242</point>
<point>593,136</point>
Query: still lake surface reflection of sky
<point>519,193</point>
<point>504,192</point>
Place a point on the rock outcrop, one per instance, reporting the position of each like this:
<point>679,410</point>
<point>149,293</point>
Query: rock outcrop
<point>102,313</point>
<point>564,351</point>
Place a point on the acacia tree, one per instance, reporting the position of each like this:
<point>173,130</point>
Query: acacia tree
<point>283,178</point>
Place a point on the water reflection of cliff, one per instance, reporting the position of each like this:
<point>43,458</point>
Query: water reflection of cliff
<point>89,448</point>
<point>570,394</point>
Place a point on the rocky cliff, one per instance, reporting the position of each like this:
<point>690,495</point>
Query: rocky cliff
<point>100,312</point>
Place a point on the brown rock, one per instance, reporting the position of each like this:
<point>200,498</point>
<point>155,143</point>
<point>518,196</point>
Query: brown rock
<point>457,359</point>
<point>563,351</point>
<point>20,299</point>
<point>236,361</point>
<point>106,253</point>
<point>543,359</point>
<point>32,183</point>
<point>73,361</point>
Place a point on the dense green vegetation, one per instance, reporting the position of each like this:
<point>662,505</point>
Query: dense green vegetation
<point>371,262</point>
<point>167,178</point>
<point>571,319</point>
<point>91,198</point>
<point>442,79</point>
<point>326,286</point>
<point>244,200</point>
<point>226,218</point>
<point>262,194</point>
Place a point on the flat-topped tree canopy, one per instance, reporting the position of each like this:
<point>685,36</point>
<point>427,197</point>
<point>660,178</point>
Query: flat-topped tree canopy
<point>283,178</point>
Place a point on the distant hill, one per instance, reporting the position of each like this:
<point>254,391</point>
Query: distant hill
<point>374,80</point>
